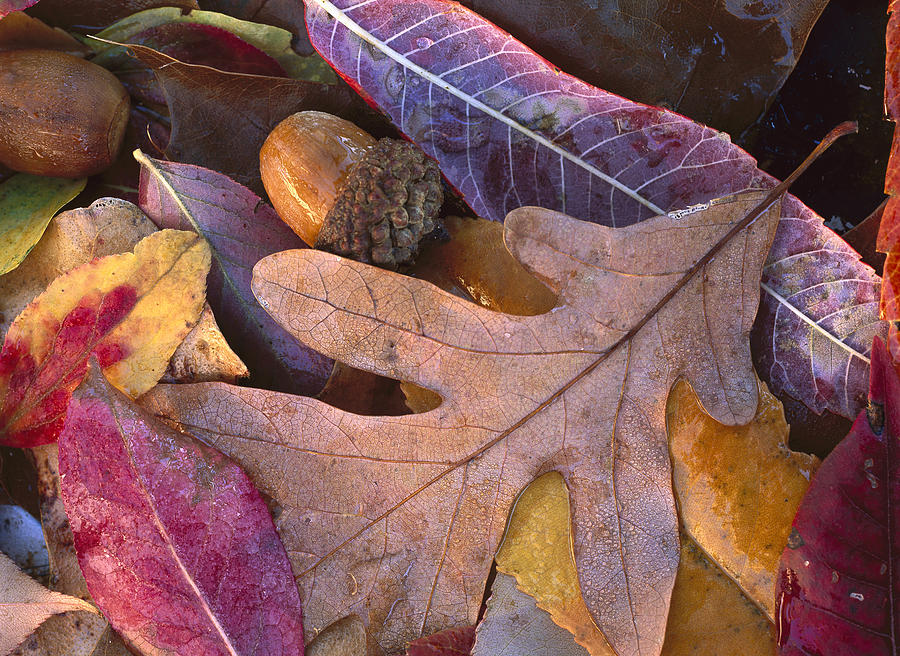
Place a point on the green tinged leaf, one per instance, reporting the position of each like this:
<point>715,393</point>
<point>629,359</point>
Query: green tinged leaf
<point>273,41</point>
<point>27,203</point>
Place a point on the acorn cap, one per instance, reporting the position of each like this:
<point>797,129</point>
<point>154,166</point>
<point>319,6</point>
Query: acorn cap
<point>389,201</point>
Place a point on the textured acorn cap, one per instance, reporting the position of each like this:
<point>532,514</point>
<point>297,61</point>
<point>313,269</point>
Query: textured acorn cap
<point>389,201</point>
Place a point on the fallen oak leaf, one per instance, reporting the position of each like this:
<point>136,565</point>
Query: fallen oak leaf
<point>176,545</point>
<point>346,637</point>
<point>411,510</point>
<point>25,604</point>
<point>27,203</point>
<point>508,129</point>
<point>838,581</point>
<point>130,310</point>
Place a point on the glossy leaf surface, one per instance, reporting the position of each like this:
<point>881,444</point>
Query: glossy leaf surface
<point>241,230</point>
<point>176,545</point>
<point>508,129</point>
<point>738,488</point>
<point>571,390</point>
<point>27,203</point>
<point>838,585</point>
<point>130,311</point>
<point>721,63</point>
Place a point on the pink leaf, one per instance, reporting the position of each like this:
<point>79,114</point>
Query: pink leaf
<point>838,576</point>
<point>509,129</point>
<point>176,545</point>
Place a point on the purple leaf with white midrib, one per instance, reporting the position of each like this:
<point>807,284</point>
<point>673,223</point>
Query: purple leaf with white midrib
<point>508,129</point>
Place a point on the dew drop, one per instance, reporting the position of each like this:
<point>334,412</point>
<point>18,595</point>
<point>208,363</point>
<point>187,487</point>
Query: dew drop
<point>423,42</point>
<point>857,596</point>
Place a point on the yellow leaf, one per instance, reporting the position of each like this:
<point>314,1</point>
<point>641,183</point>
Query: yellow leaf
<point>130,311</point>
<point>710,615</point>
<point>738,488</point>
<point>537,550</point>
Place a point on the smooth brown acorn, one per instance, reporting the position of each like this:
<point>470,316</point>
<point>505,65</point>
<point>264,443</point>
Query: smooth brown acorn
<point>60,115</point>
<point>344,192</point>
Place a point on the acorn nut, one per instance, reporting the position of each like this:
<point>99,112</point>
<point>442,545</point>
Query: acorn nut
<point>344,192</point>
<point>60,115</point>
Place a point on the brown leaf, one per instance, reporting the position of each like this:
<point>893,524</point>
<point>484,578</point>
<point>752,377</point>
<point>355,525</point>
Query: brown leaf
<point>220,119</point>
<point>710,615</point>
<point>397,518</point>
<point>346,637</point>
<point>25,604</point>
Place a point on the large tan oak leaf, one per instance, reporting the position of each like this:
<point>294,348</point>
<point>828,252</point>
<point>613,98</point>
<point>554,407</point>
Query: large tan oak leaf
<point>397,519</point>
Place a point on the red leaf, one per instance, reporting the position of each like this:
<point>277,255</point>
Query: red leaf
<point>176,545</point>
<point>509,129</point>
<point>241,230</point>
<point>452,642</point>
<point>838,576</point>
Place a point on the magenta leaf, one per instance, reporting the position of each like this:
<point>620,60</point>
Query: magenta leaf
<point>176,545</point>
<point>241,230</point>
<point>509,129</point>
<point>838,577</point>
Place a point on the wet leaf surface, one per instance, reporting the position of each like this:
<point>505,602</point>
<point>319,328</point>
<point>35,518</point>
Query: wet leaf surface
<point>838,574</point>
<point>177,525</point>
<point>241,230</point>
<point>720,63</point>
<point>571,390</point>
<point>738,488</point>
<point>508,130</point>
<point>130,311</point>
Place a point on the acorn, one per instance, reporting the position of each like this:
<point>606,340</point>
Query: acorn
<point>60,115</point>
<point>344,192</point>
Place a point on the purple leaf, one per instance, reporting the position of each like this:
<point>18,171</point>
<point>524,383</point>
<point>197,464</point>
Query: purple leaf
<point>241,230</point>
<point>176,545</point>
<point>838,577</point>
<point>508,129</point>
